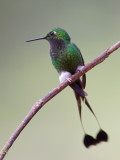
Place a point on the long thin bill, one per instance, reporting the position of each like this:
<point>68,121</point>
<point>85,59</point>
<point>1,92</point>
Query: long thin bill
<point>35,39</point>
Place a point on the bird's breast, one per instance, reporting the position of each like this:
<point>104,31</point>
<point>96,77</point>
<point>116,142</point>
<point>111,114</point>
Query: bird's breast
<point>65,62</point>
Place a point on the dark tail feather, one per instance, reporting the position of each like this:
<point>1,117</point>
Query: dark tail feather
<point>78,98</point>
<point>88,105</point>
<point>88,139</point>
<point>78,86</point>
<point>83,81</point>
<point>101,135</point>
<point>78,90</point>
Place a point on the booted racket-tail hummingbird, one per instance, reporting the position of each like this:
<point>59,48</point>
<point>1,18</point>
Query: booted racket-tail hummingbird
<point>67,59</point>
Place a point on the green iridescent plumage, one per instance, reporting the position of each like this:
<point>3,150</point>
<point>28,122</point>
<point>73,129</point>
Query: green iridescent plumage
<point>64,54</point>
<point>68,60</point>
<point>59,34</point>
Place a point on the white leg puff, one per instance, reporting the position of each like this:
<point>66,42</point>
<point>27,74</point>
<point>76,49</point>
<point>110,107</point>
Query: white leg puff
<point>64,76</point>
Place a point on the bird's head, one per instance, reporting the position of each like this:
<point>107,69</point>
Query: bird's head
<point>58,34</point>
<point>55,34</point>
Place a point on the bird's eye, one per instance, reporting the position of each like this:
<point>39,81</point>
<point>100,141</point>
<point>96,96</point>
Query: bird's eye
<point>53,33</point>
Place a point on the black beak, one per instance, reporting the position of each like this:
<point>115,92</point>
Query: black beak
<point>35,39</point>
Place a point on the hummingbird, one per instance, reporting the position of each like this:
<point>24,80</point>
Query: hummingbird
<point>67,60</point>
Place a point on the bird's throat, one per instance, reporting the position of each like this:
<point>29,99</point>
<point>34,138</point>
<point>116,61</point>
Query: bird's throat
<point>57,45</point>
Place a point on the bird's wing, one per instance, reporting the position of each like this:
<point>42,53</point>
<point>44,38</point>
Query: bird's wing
<point>83,64</point>
<point>84,81</point>
<point>84,76</point>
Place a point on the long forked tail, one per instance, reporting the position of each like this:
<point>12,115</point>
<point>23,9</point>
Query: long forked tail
<point>88,139</point>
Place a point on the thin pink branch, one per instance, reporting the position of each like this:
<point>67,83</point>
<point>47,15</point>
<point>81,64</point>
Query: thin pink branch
<point>39,104</point>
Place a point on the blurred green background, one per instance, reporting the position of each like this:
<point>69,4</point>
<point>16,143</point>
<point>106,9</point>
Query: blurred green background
<point>26,75</point>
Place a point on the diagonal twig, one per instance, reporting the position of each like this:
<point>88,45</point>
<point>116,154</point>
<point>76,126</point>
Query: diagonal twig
<point>40,103</point>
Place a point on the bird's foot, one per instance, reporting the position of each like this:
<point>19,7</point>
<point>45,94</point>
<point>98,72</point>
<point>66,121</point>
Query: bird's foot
<point>79,69</point>
<point>69,80</point>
